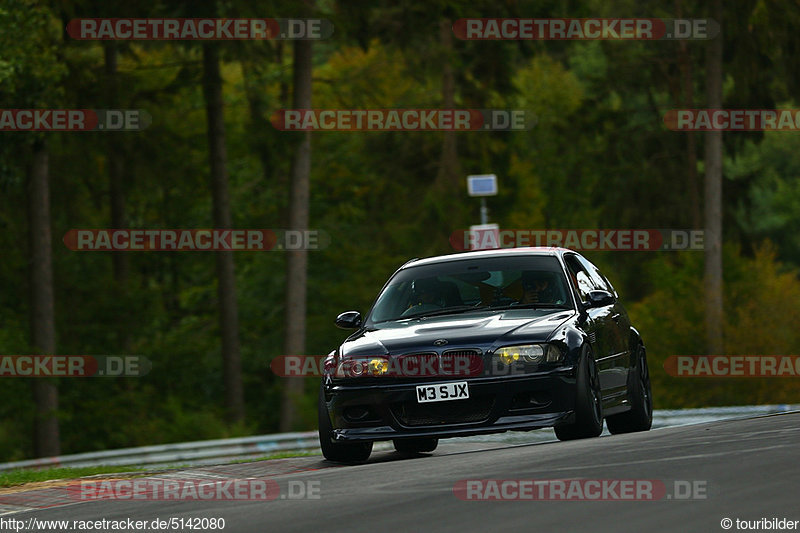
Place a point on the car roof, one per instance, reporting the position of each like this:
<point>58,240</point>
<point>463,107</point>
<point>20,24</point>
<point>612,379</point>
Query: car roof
<point>499,252</point>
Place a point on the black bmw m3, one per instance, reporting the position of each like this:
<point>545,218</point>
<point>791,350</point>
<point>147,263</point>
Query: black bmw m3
<point>484,342</point>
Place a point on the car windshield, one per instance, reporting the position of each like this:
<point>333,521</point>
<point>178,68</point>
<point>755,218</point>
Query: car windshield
<point>469,285</point>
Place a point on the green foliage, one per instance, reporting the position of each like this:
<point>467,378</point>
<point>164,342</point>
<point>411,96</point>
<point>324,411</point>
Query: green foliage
<point>761,309</point>
<point>30,67</point>
<point>768,172</point>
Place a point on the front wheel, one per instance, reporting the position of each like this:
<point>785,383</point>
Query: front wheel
<point>588,403</point>
<point>337,451</point>
<point>640,417</point>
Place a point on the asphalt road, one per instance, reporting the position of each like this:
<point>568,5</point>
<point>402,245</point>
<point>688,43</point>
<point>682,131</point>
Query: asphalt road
<point>745,469</point>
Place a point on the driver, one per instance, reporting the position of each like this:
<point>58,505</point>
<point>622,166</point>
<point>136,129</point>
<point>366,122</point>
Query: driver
<point>426,292</point>
<point>537,288</point>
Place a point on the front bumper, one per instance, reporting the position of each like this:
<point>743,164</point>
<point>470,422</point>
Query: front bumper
<point>382,411</point>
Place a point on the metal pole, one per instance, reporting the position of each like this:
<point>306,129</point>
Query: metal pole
<point>484,212</point>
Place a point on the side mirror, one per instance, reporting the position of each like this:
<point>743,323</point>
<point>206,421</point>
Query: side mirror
<point>600,298</point>
<point>349,320</point>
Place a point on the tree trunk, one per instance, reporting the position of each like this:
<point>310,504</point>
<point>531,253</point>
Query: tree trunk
<point>47,442</point>
<point>226,278</point>
<point>259,126</point>
<point>297,260</point>
<point>687,86</point>
<point>120,263</point>
<point>449,168</point>
<point>713,196</point>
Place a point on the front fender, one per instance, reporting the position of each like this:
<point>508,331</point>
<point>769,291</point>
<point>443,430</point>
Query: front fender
<point>572,340</point>
<point>634,340</point>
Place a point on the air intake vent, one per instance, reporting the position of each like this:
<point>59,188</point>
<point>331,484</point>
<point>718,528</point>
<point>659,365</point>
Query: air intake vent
<point>455,412</point>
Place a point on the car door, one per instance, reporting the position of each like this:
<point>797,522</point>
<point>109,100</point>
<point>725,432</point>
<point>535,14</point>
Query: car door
<point>617,326</point>
<point>597,321</point>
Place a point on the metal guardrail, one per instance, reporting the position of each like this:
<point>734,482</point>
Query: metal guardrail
<point>224,450</point>
<point>195,453</point>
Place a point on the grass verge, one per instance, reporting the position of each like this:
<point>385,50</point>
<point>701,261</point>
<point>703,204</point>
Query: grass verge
<point>13,478</point>
<point>20,477</point>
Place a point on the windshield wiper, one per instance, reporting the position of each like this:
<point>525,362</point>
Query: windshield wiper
<point>446,311</point>
<point>466,308</point>
<point>530,306</point>
<point>456,309</point>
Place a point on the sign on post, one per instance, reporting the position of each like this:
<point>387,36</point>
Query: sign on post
<point>482,185</point>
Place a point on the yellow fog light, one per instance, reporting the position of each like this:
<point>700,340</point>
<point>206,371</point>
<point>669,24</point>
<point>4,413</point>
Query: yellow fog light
<point>378,367</point>
<point>507,355</point>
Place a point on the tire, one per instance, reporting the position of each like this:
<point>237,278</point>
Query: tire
<point>336,451</point>
<point>417,445</point>
<point>588,403</point>
<point>640,417</point>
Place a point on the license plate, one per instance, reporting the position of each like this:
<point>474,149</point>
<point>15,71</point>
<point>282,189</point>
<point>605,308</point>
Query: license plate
<point>439,392</point>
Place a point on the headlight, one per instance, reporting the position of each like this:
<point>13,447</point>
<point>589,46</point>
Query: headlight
<point>359,367</point>
<point>528,353</point>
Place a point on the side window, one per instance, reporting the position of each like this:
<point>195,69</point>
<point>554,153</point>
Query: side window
<point>579,277</point>
<point>610,286</point>
<point>598,280</point>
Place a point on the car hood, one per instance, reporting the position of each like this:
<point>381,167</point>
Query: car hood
<point>485,330</point>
